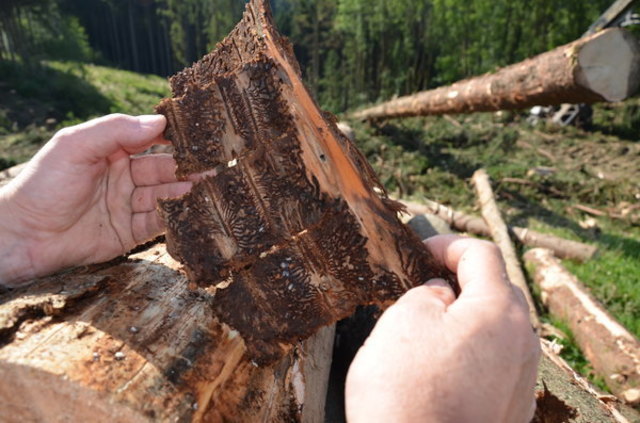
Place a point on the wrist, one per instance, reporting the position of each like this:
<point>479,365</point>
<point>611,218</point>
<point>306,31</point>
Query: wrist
<point>15,257</point>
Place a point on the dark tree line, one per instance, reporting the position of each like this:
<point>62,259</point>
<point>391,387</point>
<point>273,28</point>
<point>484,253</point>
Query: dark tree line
<point>129,34</point>
<point>352,51</point>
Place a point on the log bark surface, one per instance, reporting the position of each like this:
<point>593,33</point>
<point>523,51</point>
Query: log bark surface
<point>613,352</point>
<point>562,248</point>
<point>130,342</point>
<point>285,221</point>
<point>500,234</point>
<point>563,396</point>
<point>602,67</point>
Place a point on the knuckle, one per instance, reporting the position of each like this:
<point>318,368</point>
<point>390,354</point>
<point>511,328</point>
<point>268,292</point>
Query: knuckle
<point>119,120</point>
<point>398,312</point>
<point>519,317</point>
<point>117,117</point>
<point>492,248</point>
<point>65,136</point>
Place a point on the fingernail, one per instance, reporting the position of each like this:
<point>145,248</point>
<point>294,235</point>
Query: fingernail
<point>438,282</point>
<point>151,120</point>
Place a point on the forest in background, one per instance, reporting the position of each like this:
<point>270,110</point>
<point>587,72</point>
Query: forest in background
<point>352,52</point>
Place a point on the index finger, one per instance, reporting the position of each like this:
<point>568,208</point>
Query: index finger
<point>153,169</point>
<point>477,263</point>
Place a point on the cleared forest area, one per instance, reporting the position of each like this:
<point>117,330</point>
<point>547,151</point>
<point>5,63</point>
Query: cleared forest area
<point>576,183</point>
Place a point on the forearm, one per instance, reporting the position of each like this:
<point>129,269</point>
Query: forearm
<point>15,257</point>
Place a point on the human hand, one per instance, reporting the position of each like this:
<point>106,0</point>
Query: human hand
<point>83,199</point>
<point>434,358</point>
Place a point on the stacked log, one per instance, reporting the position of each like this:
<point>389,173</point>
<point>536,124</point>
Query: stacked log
<point>561,247</point>
<point>611,349</point>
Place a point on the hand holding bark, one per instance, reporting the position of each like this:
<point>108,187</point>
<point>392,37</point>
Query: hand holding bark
<point>435,358</point>
<point>84,199</point>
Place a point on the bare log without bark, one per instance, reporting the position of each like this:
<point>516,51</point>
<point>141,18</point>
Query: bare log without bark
<point>563,396</point>
<point>602,67</point>
<point>611,349</point>
<point>286,224</point>
<point>129,342</point>
<point>500,234</point>
<point>562,248</point>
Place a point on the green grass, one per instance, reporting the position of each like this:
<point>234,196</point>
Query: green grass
<point>127,92</point>
<point>34,103</point>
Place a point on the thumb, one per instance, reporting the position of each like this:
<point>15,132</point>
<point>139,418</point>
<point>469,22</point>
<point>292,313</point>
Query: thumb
<point>434,293</point>
<point>99,138</point>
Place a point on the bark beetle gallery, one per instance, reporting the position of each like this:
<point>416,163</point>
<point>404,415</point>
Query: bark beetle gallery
<point>287,221</point>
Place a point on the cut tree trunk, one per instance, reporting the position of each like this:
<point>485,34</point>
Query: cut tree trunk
<point>7,175</point>
<point>601,67</point>
<point>500,234</point>
<point>286,221</point>
<point>562,248</point>
<point>563,396</point>
<point>613,352</point>
<point>130,342</point>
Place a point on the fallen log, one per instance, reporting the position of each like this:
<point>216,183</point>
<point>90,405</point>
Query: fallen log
<point>130,342</point>
<point>500,234</point>
<point>602,67</point>
<point>563,396</point>
<point>613,352</point>
<point>562,248</point>
<point>287,218</point>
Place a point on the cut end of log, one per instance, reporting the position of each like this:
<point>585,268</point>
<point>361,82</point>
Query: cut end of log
<point>609,65</point>
<point>46,394</point>
<point>631,396</point>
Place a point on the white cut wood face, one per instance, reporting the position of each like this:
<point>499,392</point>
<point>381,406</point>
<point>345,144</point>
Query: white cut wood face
<point>610,65</point>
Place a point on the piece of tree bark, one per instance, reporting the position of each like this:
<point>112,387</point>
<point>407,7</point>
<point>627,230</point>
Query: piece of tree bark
<point>562,248</point>
<point>612,350</point>
<point>286,223</point>
<point>563,396</point>
<point>601,67</point>
<point>128,341</point>
<point>500,234</point>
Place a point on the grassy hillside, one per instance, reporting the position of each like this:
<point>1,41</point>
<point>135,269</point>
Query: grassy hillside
<point>35,103</point>
<point>540,172</point>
